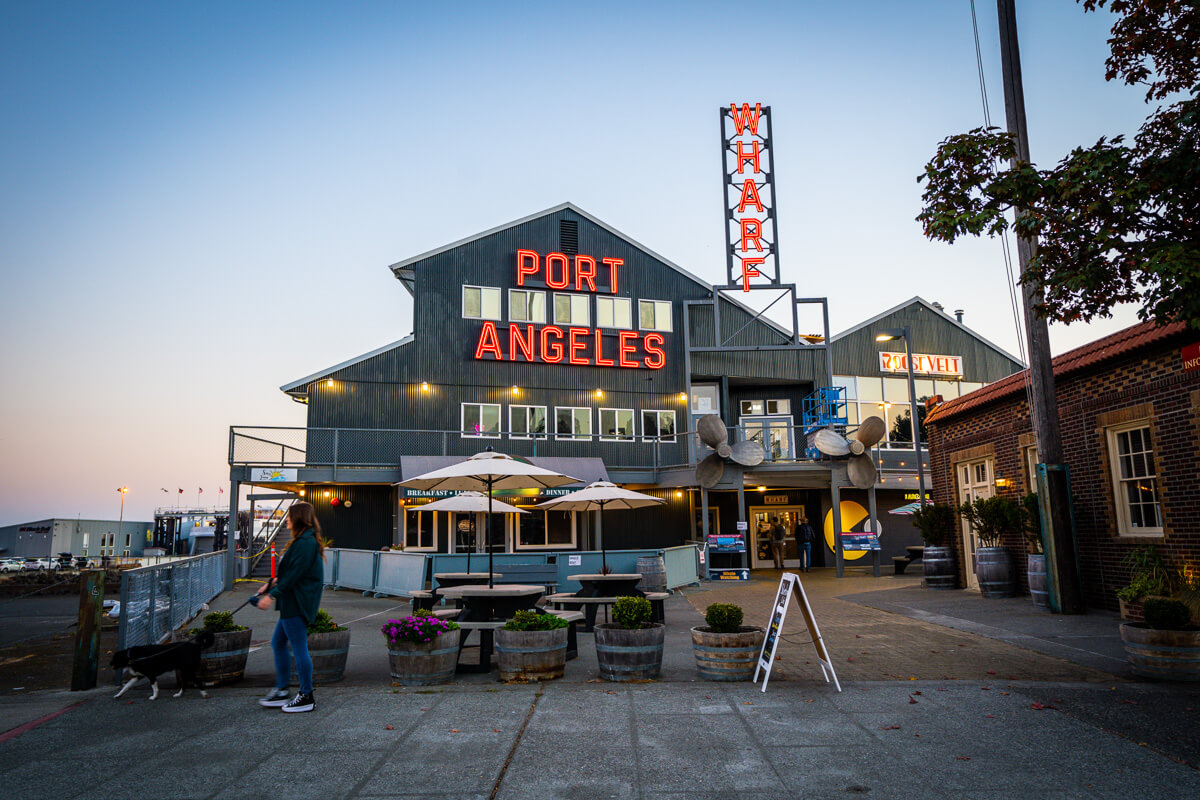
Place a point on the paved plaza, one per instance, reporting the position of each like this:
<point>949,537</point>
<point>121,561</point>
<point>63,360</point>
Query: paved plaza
<point>945,696</point>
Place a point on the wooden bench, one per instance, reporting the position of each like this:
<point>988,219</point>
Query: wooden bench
<point>573,617</point>
<point>590,605</point>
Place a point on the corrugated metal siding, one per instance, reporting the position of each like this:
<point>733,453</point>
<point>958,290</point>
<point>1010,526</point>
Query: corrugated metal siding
<point>366,525</point>
<point>654,526</point>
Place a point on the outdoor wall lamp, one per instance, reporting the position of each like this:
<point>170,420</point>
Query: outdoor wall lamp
<point>600,393</point>
<point>762,488</point>
<point>683,397</point>
<point>515,390</point>
<point>424,386</point>
<point>329,382</point>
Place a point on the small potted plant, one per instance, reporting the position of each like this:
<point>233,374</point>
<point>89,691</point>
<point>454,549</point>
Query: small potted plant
<point>225,661</point>
<point>532,647</point>
<point>937,524</point>
<point>1166,646</point>
<point>725,649</point>
<point>422,649</point>
<point>329,645</point>
<point>994,519</point>
<point>1149,577</point>
<point>631,647</point>
<point>1035,573</point>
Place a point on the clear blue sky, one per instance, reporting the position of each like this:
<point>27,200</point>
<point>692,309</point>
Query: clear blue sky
<point>196,193</point>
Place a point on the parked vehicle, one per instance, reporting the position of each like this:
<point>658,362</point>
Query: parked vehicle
<point>33,565</point>
<point>12,565</point>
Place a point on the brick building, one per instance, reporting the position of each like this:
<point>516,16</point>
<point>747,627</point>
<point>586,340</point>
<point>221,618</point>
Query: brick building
<point>1129,406</point>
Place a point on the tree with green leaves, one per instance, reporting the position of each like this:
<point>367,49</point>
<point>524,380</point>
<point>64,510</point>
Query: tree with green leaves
<point>1116,222</point>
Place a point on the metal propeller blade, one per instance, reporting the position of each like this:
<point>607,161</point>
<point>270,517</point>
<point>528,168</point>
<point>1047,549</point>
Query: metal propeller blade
<point>712,430</point>
<point>871,431</point>
<point>861,471</point>
<point>748,454</point>
<point>830,443</point>
<point>710,470</point>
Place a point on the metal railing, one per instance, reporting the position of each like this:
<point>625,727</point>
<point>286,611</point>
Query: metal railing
<point>156,600</point>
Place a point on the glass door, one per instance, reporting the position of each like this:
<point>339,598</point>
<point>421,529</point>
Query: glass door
<point>760,536</point>
<point>773,434</point>
<point>974,483</point>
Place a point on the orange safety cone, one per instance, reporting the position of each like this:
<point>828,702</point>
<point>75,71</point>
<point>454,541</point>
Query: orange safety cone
<point>272,561</point>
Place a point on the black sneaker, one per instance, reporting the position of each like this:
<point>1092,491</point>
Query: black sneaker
<point>276,698</point>
<point>301,702</point>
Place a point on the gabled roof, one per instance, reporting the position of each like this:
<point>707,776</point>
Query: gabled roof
<point>1110,347</point>
<point>931,307</point>
<point>297,388</point>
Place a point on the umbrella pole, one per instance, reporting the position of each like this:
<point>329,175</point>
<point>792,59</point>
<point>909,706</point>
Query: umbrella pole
<point>470,546</point>
<point>488,527</point>
<point>603,543</point>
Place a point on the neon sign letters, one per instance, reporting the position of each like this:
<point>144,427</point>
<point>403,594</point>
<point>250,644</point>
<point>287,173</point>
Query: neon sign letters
<point>748,170</point>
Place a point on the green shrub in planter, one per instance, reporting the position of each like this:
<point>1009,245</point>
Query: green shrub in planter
<point>323,623</point>
<point>937,523</point>
<point>534,621</point>
<point>219,622</point>
<point>1166,614</point>
<point>631,612</point>
<point>724,617</point>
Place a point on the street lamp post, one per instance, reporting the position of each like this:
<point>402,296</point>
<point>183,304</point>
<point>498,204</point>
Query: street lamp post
<point>121,522</point>
<point>888,335</point>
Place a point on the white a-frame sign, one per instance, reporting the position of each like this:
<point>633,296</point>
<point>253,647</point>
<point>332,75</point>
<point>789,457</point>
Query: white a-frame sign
<point>790,584</point>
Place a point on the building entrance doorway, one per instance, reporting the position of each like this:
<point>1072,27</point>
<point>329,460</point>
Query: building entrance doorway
<point>760,535</point>
<point>974,483</point>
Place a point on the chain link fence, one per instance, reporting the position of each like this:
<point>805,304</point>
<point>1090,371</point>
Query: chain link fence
<point>156,600</point>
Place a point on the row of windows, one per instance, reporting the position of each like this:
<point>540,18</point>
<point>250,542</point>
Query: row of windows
<point>888,399</point>
<point>524,305</point>
<point>537,528</point>
<point>570,422</point>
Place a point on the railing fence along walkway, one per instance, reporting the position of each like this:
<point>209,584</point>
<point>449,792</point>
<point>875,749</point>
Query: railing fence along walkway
<point>156,600</point>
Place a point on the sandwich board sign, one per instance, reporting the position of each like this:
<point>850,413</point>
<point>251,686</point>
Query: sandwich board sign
<point>789,586</point>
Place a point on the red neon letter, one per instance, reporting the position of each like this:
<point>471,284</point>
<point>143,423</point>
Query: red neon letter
<point>655,350</point>
<point>743,157</point>
<point>552,352</point>
<point>613,263</point>
<point>551,260</point>
<point>740,121</point>
<point>749,271</point>
<point>751,232</point>
<point>601,361</point>
<point>585,275</point>
<point>527,264</point>
<point>749,197</point>
<point>573,335</point>
<point>624,348</point>
<point>518,343</point>
<point>489,342</point>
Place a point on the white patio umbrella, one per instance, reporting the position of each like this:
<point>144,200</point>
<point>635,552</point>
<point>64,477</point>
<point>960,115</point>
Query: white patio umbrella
<point>489,471</point>
<point>598,496</point>
<point>473,503</point>
<point>907,509</point>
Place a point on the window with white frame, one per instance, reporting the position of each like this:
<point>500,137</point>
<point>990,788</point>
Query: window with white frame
<point>616,423</point>
<point>757,408</point>
<point>526,422</point>
<point>654,315</point>
<point>1135,482</point>
<point>1031,462</point>
<point>571,309</point>
<point>541,528</point>
<point>420,529</point>
<point>659,424</point>
<point>129,540</point>
<point>526,306</point>
<point>480,302</point>
<point>481,419</point>
<point>573,423</point>
<point>614,312</point>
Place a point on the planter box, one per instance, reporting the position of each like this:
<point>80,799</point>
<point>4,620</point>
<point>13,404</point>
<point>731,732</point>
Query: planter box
<point>940,570</point>
<point>329,652</point>
<point>225,661</point>
<point>630,655</point>
<point>424,664</point>
<point>726,656</point>
<point>1162,655</point>
<point>994,569</point>
<point>1039,590</point>
<point>531,655</point>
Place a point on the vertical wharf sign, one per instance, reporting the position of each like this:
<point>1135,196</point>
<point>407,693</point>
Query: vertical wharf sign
<point>748,183</point>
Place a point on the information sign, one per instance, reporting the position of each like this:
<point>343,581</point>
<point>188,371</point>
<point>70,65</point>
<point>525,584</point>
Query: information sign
<point>859,541</point>
<point>574,561</point>
<point>789,586</point>
<point>734,574</point>
<point>743,526</point>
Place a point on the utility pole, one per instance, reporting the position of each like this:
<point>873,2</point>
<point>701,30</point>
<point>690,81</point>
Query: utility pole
<point>1055,495</point>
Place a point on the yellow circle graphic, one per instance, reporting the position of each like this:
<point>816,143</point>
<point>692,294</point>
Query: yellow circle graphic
<point>854,520</point>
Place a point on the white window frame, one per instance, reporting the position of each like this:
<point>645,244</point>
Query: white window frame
<point>1124,525</point>
<point>128,540</point>
<point>658,325</point>
<point>433,530</point>
<point>529,293</point>
<point>578,437</point>
<point>1030,456</point>
<point>587,310</point>
<point>658,412</point>
<point>742,412</point>
<point>969,490</point>
<point>614,301</point>
<point>783,407</point>
<point>631,436</point>
<point>546,527</point>
<point>466,433</point>
<point>499,305</point>
<point>526,409</point>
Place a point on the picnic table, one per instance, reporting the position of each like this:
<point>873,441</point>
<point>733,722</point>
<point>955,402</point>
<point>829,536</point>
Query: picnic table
<point>590,605</point>
<point>486,609</point>
<point>426,599</point>
<point>613,584</point>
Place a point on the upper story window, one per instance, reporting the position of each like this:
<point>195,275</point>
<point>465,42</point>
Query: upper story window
<point>481,419</point>
<point>771,408</point>
<point>1135,482</point>
<point>526,306</point>
<point>571,309</point>
<point>659,424</point>
<point>654,315</point>
<point>573,423</point>
<point>525,422</point>
<point>616,423</point>
<point>480,302</point>
<point>614,312</point>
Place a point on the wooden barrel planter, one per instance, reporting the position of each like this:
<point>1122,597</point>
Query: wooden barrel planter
<point>1162,655</point>
<point>726,656</point>
<point>329,651</point>
<point>940,569</point>
<point>1038,588</point>
<point>653,572</point>
<point>626,654</point>
<point>993,568</point>
<point>531,655</point>
<point>225,661</point>
<point>426,663</point>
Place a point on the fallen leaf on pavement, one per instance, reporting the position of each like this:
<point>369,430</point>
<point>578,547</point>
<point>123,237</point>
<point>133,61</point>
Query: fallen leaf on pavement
<point>1129,702</point>
<point>912,700</point>
<point>890,728</point>
<point>991,672</point>
<point>388,728</point>
<point>917,692</point>
<point>1038,705</point>
<point>851,658</point>
<point>454,730</point>
<point>495,730</point>
<point>962,758</point>
<point>985,688</point>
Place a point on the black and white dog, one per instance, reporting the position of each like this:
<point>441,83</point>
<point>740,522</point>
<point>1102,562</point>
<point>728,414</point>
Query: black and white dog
<point>150,661</point>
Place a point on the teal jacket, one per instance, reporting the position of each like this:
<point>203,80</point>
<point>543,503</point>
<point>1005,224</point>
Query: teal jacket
<point>300,576</point>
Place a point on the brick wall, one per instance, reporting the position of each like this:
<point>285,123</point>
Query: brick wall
<point>1147,384</point>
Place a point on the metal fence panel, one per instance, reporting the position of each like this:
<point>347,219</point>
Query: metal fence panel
<point>400,574</point>
<point>331,566</point>
<point>356,569</point>
<point>158,599</point>
<point>682,566</point>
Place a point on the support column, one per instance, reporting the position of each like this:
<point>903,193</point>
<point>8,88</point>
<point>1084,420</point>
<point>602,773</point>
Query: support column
<point>874,523</point>
<point>836,496</point>
<point>230,546</point>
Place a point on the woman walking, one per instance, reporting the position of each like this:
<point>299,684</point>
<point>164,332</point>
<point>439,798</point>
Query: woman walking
<point>299,579</point>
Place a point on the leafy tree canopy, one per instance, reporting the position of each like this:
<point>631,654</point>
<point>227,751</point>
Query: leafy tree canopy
<point>1116,222</point>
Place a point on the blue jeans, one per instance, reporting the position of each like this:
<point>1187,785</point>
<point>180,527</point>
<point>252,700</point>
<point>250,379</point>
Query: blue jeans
<point>293,631</point>
<point>806,555</point>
